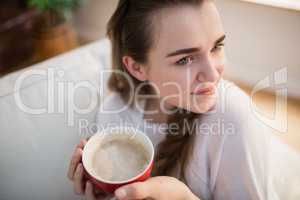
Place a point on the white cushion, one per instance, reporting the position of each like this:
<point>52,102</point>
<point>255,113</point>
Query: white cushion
<point>35,149</point>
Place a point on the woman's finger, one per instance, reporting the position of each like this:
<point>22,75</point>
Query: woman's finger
<point>78,178</point>
<point>89,191</point>
<point>76,158</point>
<point>81,144</point>
<point>139,190</point>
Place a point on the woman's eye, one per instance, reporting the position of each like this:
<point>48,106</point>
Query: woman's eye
<point>185,61</point>
<point>218,47</point>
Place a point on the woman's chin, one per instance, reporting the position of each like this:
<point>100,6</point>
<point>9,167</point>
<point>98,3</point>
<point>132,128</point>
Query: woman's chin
<point>203,105</point>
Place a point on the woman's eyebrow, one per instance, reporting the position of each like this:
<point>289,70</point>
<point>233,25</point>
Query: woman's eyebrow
<point>183,51</point>
<point>195,49</point>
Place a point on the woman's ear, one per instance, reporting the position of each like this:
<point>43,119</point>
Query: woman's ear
<point>135,68</point>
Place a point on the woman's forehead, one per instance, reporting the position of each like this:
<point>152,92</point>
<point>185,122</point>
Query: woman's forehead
<point>188,26</point>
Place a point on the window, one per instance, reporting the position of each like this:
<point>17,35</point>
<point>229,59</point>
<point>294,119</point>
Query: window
<point>289,4</point>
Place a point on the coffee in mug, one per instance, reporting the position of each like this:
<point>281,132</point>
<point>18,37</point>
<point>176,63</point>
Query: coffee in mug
<point>119,159</point>
<point>118,156</point>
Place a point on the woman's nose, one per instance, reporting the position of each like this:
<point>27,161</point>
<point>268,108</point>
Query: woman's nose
<point>208,71</point>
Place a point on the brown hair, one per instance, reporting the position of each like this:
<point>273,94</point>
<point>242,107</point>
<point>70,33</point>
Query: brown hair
<point>131,31</point>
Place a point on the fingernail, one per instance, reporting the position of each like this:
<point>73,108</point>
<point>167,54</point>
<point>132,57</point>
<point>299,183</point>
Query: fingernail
<point>88,184</point>
<point>121,193</point>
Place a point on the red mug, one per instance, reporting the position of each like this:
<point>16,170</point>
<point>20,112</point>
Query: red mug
<point>109,134</point>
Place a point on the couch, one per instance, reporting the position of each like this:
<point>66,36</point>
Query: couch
<point>44,111</point>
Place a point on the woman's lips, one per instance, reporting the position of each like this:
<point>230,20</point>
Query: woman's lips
<point>205,91</point>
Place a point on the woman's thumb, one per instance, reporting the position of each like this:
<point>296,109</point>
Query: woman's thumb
<point>138,190</point>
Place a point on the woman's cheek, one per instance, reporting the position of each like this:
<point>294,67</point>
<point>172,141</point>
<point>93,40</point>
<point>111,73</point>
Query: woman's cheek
<point>220,70</point>
<point>172,83</point>
<point>222,64</point>
<point>173,93</point>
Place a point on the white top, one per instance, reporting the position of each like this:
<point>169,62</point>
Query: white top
<point>232,153</point>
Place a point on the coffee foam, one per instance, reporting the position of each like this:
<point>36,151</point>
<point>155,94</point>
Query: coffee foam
<point>112,164</point>
<point>119,160</point>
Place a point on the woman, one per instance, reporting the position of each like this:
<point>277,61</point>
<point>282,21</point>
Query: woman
<point>171,57</point>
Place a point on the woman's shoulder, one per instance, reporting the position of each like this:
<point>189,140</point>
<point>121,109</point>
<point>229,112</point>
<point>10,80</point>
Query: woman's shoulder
<point>113,110</point>
<point>112,101</point>
<point>233,123</point>
<point>233,102</point>
<point>233,109</point>
<point>237,107</point>
<point>229,135</point>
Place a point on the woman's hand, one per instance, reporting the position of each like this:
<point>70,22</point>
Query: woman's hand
<point>75,174</point>
<point>160,188</point>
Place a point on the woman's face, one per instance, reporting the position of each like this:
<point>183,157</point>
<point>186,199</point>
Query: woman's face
<point>187,56</point>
